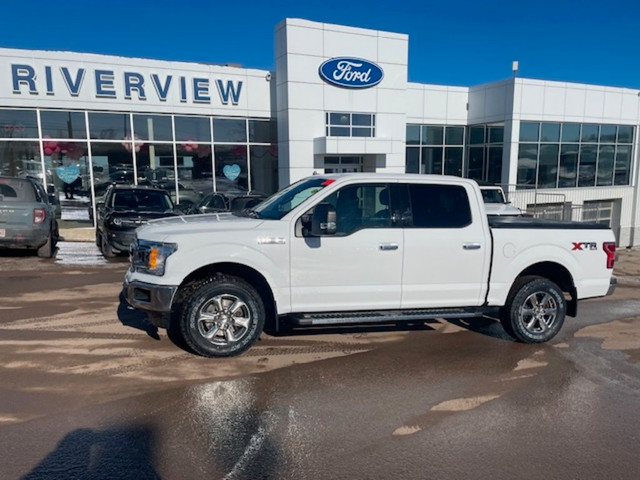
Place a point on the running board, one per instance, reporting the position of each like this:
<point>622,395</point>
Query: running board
<point>337,318</point>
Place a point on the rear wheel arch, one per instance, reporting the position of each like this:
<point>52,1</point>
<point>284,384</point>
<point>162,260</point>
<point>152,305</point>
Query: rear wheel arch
<point>556,273</point>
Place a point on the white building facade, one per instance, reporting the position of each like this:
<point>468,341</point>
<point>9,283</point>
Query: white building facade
<point>339,100</point>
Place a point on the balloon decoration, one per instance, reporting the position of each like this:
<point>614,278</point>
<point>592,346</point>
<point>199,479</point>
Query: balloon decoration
<point>200,150</point>
<point>51,146</point>
<point>73,150</point>
<point>131,144</point>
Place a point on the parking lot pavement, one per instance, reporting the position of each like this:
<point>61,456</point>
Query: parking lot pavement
<point>87,383</point>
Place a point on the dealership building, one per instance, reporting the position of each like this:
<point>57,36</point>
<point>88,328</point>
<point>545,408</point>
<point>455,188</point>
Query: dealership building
<point>339,100</point>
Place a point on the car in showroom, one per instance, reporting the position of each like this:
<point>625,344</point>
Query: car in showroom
<point>27,217</point>
<point>217,202</point>
<point>125,208</point>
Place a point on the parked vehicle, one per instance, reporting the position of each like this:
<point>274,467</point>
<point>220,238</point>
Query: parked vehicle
<point>27,218</point>
<point>495,201</point>
<point>217,202</point>
<point>125,208</point>
<point>351,248</point>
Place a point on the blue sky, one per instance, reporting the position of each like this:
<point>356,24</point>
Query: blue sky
<point>459,42</point>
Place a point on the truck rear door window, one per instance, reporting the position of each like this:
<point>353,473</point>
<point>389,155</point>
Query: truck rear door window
<point>439,206</point>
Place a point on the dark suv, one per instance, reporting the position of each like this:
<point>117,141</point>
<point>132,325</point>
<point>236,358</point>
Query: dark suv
<point>125,208</point>
<point>27,218</point>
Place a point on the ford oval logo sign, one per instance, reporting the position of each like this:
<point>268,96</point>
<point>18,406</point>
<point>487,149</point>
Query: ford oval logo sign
<point>351,72</point>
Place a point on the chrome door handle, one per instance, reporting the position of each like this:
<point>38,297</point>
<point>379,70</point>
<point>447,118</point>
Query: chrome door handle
<point>471,246</point>
<point>388,246</point>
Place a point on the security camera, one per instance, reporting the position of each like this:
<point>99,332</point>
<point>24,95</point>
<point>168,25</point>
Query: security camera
<point>267,77</point>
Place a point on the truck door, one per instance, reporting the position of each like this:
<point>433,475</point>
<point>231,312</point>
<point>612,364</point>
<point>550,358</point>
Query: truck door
<point>447,250</point>
<point>357,268</point>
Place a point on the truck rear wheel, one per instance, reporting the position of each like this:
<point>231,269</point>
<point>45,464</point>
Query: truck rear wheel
<point>222,317</point>
<point>534,311</point>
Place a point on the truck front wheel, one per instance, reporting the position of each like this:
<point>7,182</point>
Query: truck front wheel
<point>222,317</point>
<point>534,311</point>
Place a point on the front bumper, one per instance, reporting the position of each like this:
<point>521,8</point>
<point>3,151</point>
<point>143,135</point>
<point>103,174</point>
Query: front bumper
<point>148,296</point>
<point>121,240</point>
<point>613,283</point>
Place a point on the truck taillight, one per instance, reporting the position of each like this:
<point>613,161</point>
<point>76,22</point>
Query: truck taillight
<point>610,249</point>
<point>39,215</point>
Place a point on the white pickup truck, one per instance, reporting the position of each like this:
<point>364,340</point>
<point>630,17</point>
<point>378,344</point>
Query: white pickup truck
<point>359,248</point>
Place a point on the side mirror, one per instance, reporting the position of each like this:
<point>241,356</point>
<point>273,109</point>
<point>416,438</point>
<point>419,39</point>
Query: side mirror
<point>323,221</point>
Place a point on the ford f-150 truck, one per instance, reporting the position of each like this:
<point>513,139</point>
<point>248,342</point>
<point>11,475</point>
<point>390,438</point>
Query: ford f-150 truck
<point>359,248</point>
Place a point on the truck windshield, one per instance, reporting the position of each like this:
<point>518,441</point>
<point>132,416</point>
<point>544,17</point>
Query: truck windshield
<point>493,195</point>
<point>281,203</point>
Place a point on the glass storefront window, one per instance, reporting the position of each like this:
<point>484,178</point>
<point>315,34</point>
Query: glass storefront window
<point>623,164</point>
<point>453,161</point>
<point>571,132</point>
<point>567,173</point>
<point>587,167</point>
<point>432,160</point>
<point>589,133</point>
<point>195,172</point>
<point>61,124</point>
<point>476,135</point>
<point>494,170</point>
<point>260,131</point>
<point>608,133</point>
<point>412,160</point>
<point>154,167</point>
<point>454,136</point>
<point>67,167</point>
<point>625,134</point>
<point>153,127</point>
<point>605,165</point>
<point>496,134</point>
<point>529,131</point>
<point>20,159</point>
<point>475,168</point>
<point>18,124</point>
<point>548,165</point>
<point>109,126</point>
<point>264,168</point>
<point>527,163</point>
<point>231,168</point>
<point>112,163</point>
<point>550,132</point>
<point>432,135</point>
<point>227,130</point>
<point>413,135</point>
<point>193,129</point>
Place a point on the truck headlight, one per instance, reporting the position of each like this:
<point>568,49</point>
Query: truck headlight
<point>151,257</point>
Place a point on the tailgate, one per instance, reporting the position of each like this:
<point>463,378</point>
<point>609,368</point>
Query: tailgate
<point>15,216</point>
<point>16,213</point>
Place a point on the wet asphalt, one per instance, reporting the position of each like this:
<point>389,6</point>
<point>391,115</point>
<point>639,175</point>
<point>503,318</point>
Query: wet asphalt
<point>89,391</point>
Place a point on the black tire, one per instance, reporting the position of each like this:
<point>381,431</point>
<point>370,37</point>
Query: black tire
<point>535,310</point>
<point>235,317</point>
<point>105,247</point>
<point>46,250</point>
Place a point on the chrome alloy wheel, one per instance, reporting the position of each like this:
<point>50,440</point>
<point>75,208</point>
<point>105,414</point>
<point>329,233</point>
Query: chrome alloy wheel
<point>224,319</point>
<point>538,312</point>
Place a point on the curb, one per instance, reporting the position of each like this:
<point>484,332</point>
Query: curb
<point>78,234</point>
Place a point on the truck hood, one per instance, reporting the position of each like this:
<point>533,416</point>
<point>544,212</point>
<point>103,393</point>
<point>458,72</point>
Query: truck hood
<point>161,229</point>
<point>501,209</point>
